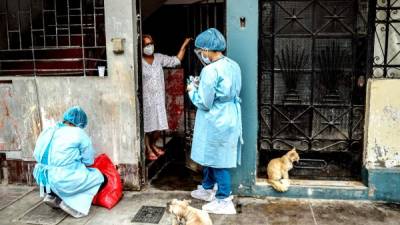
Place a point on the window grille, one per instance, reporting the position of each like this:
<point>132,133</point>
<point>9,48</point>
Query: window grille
<point>387,35</point>
<point>52,37</point>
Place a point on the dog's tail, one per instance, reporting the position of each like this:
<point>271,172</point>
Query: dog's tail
<point>277,185</point>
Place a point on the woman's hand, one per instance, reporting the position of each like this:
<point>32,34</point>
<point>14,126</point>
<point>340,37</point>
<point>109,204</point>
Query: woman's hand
<point>186,42</point>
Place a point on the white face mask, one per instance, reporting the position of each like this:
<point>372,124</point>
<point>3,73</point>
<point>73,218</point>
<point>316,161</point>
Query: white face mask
<point>148,50</point>
<point>206,60</point>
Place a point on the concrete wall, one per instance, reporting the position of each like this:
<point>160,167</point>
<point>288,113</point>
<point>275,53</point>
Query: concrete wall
<point>247,57</point>
<point>110,102</point>
<point>381,142</point>
<point>382,129</point>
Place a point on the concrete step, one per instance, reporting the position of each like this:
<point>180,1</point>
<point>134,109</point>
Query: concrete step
<point>315,189</point>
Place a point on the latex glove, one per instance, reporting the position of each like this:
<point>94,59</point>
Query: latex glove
<point>190,87</point>
<point>195,81</point>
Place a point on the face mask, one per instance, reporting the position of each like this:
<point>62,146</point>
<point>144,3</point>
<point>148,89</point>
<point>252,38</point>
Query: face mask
<point>206,60</point>
<point>148,50</point>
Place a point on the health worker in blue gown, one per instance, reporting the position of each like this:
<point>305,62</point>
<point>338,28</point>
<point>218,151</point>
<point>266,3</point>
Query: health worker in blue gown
<point>217,134</point>
<point>63,153</point>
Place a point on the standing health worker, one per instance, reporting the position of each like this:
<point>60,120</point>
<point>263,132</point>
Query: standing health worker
<point>217,134</point>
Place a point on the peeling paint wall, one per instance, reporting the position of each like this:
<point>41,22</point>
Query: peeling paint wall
<point>382,142</point>
<point>110,102</point>
<point>19,118</point>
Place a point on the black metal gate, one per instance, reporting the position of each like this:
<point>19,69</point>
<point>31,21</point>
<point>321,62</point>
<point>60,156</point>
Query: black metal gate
<point>312,67</point>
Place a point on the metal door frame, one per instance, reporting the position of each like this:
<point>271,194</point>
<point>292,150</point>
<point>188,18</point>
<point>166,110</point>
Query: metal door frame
<point>355,117</point>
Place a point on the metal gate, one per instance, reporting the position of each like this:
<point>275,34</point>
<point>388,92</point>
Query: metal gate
<point>312,67</point>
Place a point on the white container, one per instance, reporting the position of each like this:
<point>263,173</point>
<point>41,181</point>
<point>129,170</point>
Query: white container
<point>101,70</point>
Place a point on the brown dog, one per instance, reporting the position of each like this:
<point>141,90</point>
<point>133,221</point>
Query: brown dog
<point>279,169</point>
<point>182,213</point>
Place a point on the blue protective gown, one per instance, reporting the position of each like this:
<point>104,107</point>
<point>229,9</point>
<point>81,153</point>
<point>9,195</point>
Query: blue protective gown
<point>217,134</point>
<point>62,154</point>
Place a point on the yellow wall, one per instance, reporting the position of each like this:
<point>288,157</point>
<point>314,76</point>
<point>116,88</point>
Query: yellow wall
<point>382,123</point>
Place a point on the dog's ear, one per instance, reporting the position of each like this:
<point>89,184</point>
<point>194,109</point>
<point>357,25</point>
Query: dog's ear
<point>294,156</point>
<point>293,149</point>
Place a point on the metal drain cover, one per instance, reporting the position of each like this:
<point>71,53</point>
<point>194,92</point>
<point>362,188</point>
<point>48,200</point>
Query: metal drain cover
<point>149,214</point>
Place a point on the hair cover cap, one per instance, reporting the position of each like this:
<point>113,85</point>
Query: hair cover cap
<point>210,39</point>
<point>76,116</point>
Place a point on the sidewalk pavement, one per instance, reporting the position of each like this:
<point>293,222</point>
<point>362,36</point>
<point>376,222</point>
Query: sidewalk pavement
<point>21,205</point>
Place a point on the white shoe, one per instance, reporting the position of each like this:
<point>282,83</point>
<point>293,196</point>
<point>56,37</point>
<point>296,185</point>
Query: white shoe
<point>203,194</point>
<point>52,201</point>
<point>220,206</point>
<point>71,211</point>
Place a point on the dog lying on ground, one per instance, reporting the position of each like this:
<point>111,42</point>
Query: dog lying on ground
<point>183,214</point>
<point>278,170</point>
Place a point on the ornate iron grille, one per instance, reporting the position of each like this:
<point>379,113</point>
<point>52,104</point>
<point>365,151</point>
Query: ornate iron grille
<point>387,36</point>
<point>52,37</point>
<point>312,84</point>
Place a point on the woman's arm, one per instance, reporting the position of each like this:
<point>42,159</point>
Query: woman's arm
<point>173,61</point>
<point>182,51</point>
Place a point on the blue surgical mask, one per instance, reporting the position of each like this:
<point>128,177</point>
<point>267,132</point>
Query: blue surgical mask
<point>206,60</point>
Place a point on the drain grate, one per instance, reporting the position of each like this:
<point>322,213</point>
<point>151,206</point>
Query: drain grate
<point>149,214</point>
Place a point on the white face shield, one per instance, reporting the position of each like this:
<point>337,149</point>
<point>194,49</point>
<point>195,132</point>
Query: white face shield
<point>197,52</point>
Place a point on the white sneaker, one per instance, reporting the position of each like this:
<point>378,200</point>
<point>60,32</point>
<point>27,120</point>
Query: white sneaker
<point>203,194</point>
<point>71,211</point>
<point>52,201</point>
<point>220,206</point>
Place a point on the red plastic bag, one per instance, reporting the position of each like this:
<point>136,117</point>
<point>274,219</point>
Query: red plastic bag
<point>109,196</point>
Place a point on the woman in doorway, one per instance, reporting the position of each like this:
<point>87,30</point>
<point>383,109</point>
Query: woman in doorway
<point>154,112</point>
<point>217,134</point>
<point>63,153</point>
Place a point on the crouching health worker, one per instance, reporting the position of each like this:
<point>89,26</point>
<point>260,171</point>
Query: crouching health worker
<point>217,134</point>
<point>63,153</point>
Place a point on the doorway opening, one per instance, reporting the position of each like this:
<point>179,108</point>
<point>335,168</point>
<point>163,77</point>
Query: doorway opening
<point>169,22</point>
